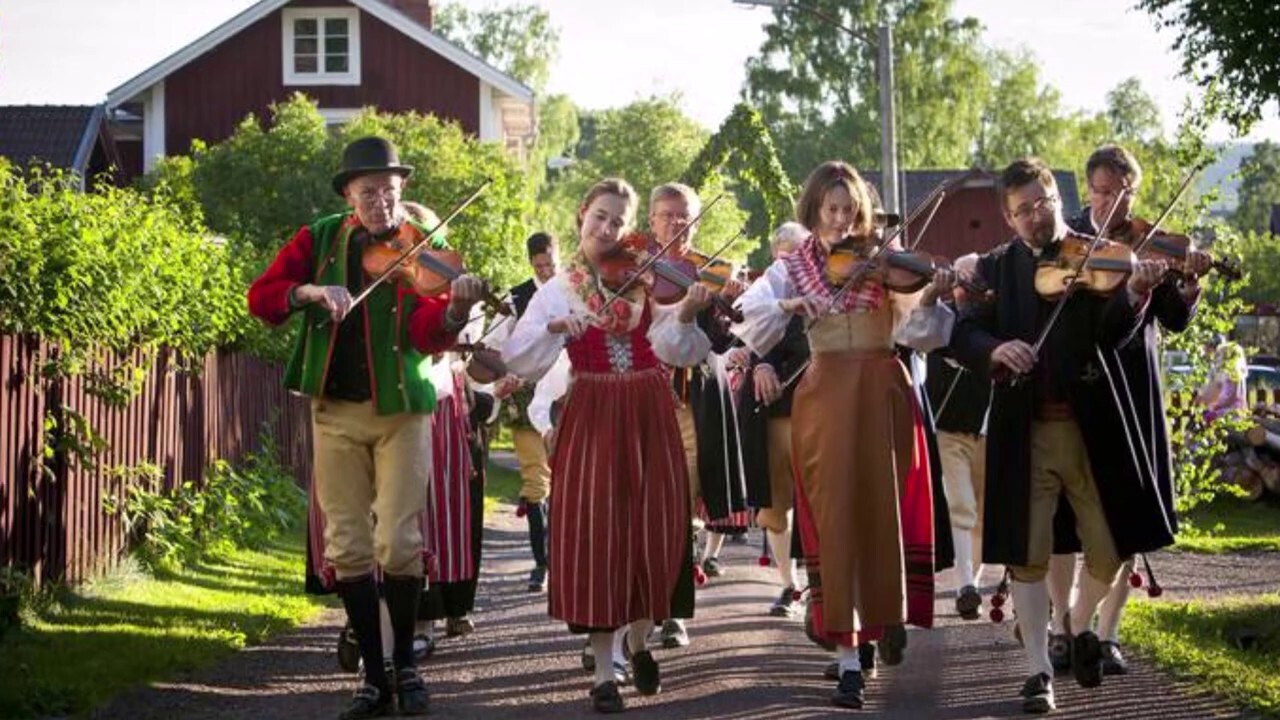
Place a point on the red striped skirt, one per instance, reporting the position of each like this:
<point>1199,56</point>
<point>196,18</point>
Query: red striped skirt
<point>446,528</point>
<point>621,501</point>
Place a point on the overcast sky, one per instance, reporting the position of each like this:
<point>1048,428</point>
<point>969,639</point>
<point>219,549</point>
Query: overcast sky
<point>611,51</point>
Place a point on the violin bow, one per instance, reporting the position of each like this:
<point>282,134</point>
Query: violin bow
<point>933,201</point>
<point>723,248</point>
<point>1071,279</point>
<point>413,251</point>
<point>657,255</point>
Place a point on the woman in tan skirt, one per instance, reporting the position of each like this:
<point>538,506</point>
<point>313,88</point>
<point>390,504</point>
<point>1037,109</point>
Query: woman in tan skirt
<point>863,503</point>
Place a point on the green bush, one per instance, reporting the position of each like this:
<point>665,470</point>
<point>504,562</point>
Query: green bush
<point>245,507</point>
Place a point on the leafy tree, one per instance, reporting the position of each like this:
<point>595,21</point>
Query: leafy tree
<point>1227,42</point>
<point>1259,188</point>
<point>519,40</point>
<point>817,87</point>
<point>648,142</point>
<point>1132,111</point>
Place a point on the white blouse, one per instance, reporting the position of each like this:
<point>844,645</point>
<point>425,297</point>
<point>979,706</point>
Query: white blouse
<point>531,350</point>
<point>923,328</point>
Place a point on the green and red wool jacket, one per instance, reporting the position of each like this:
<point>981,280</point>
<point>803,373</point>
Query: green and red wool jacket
<point>402,328</point>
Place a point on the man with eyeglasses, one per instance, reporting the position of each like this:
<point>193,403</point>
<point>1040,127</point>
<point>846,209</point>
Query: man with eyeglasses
<point>365,369</point>
<point>1150,522</point>
<point>1046,430</point>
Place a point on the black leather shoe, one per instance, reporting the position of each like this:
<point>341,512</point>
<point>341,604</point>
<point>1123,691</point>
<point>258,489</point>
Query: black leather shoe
<point>832,671</point>
<point>644,673</point>
<point>1113,662</point>
<point>892,645</point>
<point>368,702</point>
<point>411,693</point>
<point>1060,652</point>
<point>606,699</point>
<point>1037,694</point>
<point>867,660</point>
<point>849,693</point>
<point>538,579</point>
<point>1086,659</point>
<point>969,603</point>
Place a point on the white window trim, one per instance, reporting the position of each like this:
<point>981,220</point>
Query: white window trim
<point>338,116</point>
<point>320,14</point>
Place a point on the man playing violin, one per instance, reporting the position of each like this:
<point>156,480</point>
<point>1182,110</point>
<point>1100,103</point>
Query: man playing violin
<point>1148,521</point>
<point>371,406</point>
<point>1036,449</point>
<point>672,207</point>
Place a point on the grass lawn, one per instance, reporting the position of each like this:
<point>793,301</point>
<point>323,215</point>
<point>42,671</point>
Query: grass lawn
<point>502,485</point>
<point>85,646</point>
<point>1233,525</point>
<point>1230,647</point>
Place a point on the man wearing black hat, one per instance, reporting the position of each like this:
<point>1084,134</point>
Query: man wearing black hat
<point>364,368</point>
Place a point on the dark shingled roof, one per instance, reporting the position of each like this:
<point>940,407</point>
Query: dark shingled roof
<point>919,183</point>
<point>61,135</point>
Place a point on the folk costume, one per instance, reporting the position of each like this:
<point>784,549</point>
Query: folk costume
<point>767,458</point>
<point>1036,448</point>
<point>1142,518</point>
<point>867,569</point>
<point>371,413</point>
<point>530,449</point>
<point>619,543</point>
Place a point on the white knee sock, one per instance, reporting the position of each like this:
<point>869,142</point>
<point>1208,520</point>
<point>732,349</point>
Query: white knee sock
<point>388,637</point>
<point>1091,592</point>
<point>602,648</point>
<point>962,540</point>
<point>715,541</point>
<point>976,535</point>
<point>780,545</point>
<point>848,659</point>
<point>1032,603</point>
<point>1061,581</point>
<point>619,636</point>
<point>1112,606</point>
<point>638,636</point>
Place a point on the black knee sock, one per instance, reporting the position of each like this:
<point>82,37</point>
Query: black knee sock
<point>402,593</point>
<point>360,598</point>
<point>537,517</point>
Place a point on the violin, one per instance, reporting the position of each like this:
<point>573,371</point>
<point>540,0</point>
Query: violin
<point>1172,247</point>
<point>486,364</point>
<point>901,271</point>
<point>430,272</point>
<point>668,281</point>
<point>1107,269</point>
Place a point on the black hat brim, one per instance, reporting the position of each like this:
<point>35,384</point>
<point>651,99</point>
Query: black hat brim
<point>342,178</point>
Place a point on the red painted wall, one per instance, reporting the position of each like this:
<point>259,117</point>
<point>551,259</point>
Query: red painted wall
<point>209,96</point>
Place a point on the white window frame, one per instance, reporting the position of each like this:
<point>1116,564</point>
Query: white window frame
<point>338,116</point>
<point>320,14</point>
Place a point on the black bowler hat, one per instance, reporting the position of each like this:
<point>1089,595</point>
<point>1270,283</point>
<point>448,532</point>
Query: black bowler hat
<point>365,156</point>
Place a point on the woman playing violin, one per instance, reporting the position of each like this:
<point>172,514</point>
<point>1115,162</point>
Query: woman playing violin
<point>855,424</point>
<point>618,468</point>
<point>1036,449</point>
<point>1150,521</point>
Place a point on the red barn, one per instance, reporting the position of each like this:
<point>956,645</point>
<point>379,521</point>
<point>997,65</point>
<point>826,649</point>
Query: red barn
<point>970,217</point>
<point>346,54</point>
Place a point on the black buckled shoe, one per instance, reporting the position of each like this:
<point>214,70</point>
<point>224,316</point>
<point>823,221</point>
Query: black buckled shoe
<point>893,644</point>
<point>711,566</point>
<point>832,671</point>
<point>867,660</point>
<point>1086,659</point>
<point>1113,662</point>
<point>786,605</point>
<point>412,697</point>
<point>367,702</point>
<point>1037,694</point>
<point>850,692</point>
<point>645,674</point>
<point>1060,652</point>
<point>348,650</point>
<point>969,603</point>
<point>538,579</point>
<point>605,698</point>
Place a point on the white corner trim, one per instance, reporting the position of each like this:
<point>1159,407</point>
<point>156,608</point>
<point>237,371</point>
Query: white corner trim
<point>137,86</point>
<point>490,115</point>
<point>320,14</point>
<point>153,129</point>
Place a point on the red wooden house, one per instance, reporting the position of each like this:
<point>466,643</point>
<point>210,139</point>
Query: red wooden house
<point>347,54</point>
